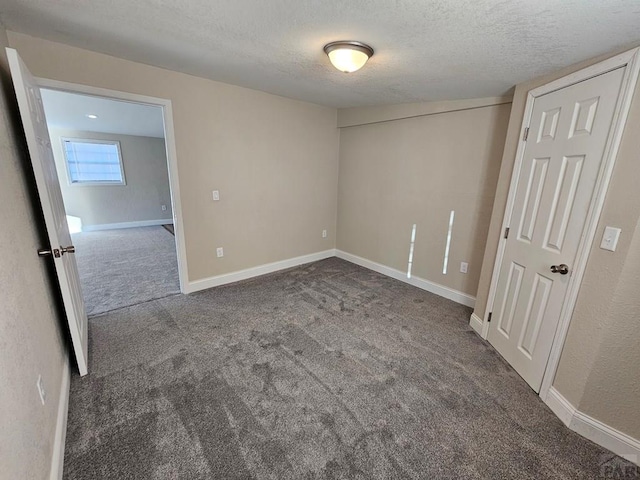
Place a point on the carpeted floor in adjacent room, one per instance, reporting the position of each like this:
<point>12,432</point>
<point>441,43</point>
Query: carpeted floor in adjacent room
<point>126,267</point>
<point>326,371</point>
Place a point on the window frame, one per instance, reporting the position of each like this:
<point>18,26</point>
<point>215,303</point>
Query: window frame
<point>93,141</point>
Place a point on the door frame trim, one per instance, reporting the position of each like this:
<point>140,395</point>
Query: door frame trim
<point>170,145</point>
<point>630,61</point>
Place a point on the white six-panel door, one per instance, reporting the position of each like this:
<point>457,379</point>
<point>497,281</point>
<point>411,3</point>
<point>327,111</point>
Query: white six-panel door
<point>555,188</point>
<point>39,146</point>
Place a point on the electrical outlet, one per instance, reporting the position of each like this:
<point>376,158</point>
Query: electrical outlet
<point>219,252</point>
<point>464,267</point>
<point>216,195</point>
<point>164,208</point>
<point>43,394</point>
<point>324,234</point>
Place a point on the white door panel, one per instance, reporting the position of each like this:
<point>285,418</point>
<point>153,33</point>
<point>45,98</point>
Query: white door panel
<point>39,146</point>
<point>554,191</point>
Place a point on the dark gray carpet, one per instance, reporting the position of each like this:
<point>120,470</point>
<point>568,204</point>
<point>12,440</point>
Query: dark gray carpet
<point>125,267</point>
<point>326,371</point>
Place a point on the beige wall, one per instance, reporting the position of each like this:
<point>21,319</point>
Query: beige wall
<point>144,161</point>
<point>30,340</point>
<point>274,160</point>
<point>397,173</point>
<point>602,327</point>
<point>612,389</point>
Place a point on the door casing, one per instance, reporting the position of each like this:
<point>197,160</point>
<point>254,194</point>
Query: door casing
<point>170,143</point>
<point>630,60</point>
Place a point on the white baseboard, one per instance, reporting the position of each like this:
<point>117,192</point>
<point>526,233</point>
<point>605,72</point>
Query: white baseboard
<point>619,443</point>
<point>57,456</point>
<point>446,292</point>
<point>232,277</point>
<point>476,323</point>
<point>560,406</point>
<point>114,226</point>
<point>210,282</point>
<point>606,436</point>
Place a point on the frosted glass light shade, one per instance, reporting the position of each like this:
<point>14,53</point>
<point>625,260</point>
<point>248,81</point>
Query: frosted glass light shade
<point>348,57</point>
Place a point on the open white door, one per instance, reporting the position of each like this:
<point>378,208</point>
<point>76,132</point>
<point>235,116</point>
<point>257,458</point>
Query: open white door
<point>44,168</point>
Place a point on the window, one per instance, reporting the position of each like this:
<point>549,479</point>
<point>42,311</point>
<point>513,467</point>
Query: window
<point>93,162</point>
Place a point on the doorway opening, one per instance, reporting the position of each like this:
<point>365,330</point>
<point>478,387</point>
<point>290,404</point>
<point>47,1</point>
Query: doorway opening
<point>112,160</point>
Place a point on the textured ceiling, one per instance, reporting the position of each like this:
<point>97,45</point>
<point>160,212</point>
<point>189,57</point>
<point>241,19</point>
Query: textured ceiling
<point>425,49</point>
<point>70,110</point>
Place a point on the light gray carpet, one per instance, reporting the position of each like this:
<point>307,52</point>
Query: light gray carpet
<point>326,371</point>
<point>126,267</point>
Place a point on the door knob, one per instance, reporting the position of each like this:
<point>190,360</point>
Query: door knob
<point>69,249</point>
<point>562,269</point>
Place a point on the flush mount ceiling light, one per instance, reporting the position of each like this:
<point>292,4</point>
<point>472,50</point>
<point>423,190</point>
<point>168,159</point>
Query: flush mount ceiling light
<point>92,116</point>
<point>348,56</point>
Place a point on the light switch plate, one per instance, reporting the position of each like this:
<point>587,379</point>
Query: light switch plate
<point>610,238</point>
<point>216,195</point>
